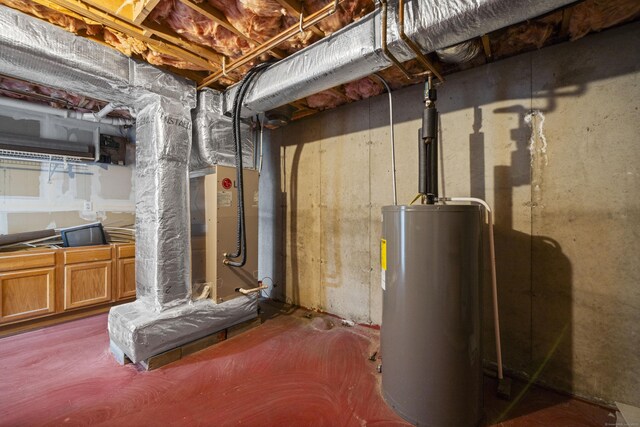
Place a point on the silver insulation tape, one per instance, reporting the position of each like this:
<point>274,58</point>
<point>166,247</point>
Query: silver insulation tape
<point>37,51</point>
<point>213,138</point>
<point>163,263</point>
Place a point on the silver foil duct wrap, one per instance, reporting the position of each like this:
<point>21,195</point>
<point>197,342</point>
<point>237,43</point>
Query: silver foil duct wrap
<point>346,55</point>
<point>163,265</point>
<point>356,50</point>
<point>213,139</point>
<point>164,316</point>
<point>446,23</point>
<point>34,50</point>
<point>140,334</point>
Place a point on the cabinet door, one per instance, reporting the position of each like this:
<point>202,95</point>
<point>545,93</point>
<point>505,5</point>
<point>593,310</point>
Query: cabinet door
<point>126,278</point>
<point>26,293</point>
<point>87,284</point>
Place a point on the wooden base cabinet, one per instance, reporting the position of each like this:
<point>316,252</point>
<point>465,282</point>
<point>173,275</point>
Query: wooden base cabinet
<point>38,286</point>
<point>126,271</point>
<point>126,278</point>
<point>86,284</point>
<point>27,294</point>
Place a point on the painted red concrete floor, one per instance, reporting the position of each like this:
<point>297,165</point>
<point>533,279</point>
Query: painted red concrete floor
<point>290,371</point>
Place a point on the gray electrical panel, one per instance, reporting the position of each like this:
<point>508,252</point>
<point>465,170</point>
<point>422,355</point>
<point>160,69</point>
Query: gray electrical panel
<point>431,321</point>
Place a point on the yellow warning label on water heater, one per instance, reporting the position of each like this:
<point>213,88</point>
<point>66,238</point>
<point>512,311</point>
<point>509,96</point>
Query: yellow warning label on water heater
<point>383,253</point>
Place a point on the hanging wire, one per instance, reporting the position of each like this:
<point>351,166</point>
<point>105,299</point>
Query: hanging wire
<point>392,140</point>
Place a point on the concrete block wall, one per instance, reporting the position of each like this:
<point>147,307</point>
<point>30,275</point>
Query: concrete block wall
<point>564,182</point>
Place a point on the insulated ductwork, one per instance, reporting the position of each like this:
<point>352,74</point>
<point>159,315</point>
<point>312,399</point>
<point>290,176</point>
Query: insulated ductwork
<point>164,315</point>
<point>356,50</point>
<point>278,116</point>
<point>44,54</point>
<point>460,53</point>
<point>213,139</point>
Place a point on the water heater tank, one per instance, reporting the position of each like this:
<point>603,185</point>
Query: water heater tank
<point>431,319</point>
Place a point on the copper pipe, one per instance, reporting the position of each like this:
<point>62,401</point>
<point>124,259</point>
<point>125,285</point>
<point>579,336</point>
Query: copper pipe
<point>383,35</point>
<point>310,21</point>
<point>412,45</point>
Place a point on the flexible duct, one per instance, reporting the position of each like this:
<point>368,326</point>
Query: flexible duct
<point>459,53</point>
<point>356,50</point>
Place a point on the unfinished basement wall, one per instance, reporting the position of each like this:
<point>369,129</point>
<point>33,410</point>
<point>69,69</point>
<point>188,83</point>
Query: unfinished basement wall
<point>35,196</point>
<point>564,183</point>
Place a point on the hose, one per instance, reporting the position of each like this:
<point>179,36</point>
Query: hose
<point>238,159</point>
<point>240,236</point>
<point>241,239</point>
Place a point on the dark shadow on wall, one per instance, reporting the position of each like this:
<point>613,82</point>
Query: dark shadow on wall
<point>535,276</point>
<point>536,327</point>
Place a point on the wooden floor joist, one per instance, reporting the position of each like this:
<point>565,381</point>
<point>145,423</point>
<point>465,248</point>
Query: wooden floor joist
<point>294,8</point>
<point>215,15</point>
<point>142,9</point>
<point>173,37</point>
<point>129,29</point>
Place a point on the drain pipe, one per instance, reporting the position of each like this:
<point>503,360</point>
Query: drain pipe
<point>69,114</point>
<point>494,281</point>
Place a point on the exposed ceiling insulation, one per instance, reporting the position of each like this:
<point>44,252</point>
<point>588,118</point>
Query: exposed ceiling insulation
<point>45,95</point>
<point>217,41</point>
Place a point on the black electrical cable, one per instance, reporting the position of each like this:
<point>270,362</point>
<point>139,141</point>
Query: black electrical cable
<point>238,159</point>
<point>236,110</point>
<point>241,241</point>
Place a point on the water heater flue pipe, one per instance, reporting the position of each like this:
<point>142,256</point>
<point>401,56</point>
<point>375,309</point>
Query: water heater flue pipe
<point>494,281</point>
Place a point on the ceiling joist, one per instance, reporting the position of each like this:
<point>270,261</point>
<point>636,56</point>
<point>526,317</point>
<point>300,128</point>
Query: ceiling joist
<point>142,9</point>
<point>171,36</point>
<point>129,29</point>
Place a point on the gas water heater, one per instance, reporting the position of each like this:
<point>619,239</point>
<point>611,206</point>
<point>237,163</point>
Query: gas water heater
<point>431,256</point>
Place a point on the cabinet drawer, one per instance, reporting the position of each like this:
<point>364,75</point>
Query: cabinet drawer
<point>126,251</point>
<point>23,260</point>
<point>27,293</point>
<point>87,284</point>
<point>87,254</point>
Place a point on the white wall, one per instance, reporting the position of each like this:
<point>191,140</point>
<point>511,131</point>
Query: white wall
<point>35,196</point>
